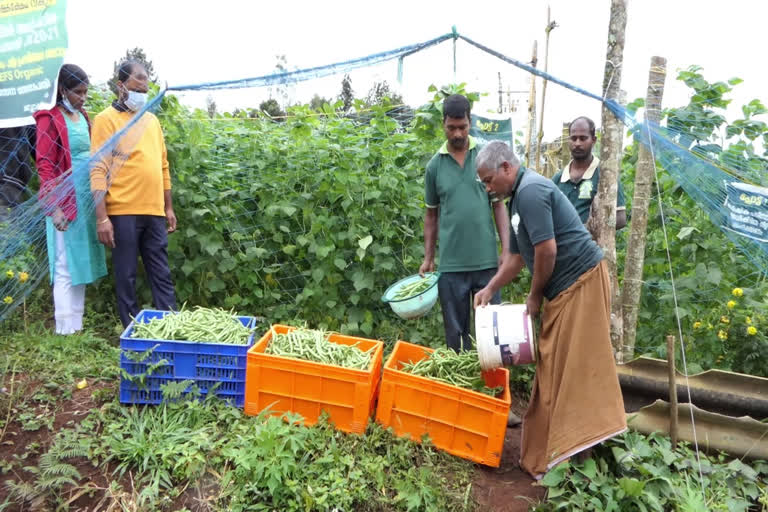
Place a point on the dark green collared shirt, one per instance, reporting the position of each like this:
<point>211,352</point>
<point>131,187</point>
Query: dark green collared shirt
<point>466,232</point>
<point>581,193</point>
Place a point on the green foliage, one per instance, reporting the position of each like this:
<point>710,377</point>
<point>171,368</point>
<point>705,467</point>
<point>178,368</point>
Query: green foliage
<point>266,463</point>
<point>733,335</point>
<point>312,218</point>
<point>706,264</point>
<point>639,473</point>
<point>428,123</point>
<point>380,92</point>
<point>272,108</point>
<point>347,94</point>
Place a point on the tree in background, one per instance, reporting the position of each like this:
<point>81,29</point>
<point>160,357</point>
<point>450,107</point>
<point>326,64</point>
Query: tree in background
<point>138,55</point>
<point>347,95</point>
<point>210,106</point>
<point>317,102</point>
<point>272,108</point>
<point>379,91</point>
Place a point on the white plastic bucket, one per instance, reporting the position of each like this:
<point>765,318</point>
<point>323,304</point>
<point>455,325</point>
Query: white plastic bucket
<point>504,335</point>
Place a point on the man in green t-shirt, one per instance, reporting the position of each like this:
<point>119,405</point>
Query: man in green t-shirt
<point>579,179</point>
<point>576,401</point>
<point>461,215</point>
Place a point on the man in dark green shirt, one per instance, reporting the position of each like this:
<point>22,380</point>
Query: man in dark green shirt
<point>576,401</point>
<point>461,215</point>
<point>579,179</point>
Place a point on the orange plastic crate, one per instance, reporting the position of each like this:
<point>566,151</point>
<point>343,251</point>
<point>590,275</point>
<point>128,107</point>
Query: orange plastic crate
<point>308,388</point>
<point>464,423</point>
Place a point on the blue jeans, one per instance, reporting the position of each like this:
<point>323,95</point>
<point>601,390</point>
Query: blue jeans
<point>457,291</point>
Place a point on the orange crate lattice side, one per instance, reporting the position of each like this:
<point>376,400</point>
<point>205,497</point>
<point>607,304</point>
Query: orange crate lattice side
<point>461,422</point>
<point>308,388</point>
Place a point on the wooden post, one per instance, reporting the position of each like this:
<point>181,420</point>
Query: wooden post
<point>672,390</point>
<point>550,26</point>
<point>633,265</point>
<point>529,151</point>
<point>610,147</point>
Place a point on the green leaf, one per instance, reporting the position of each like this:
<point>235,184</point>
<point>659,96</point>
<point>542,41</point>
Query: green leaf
<point>255,252</point>
<point>365,242</point>
<point>632,486</point>
<point>340,263</point>
<point>556,475</point>
<point>362,281</point>
<point>686,232</point>
<point>715,275</point>
<point>216,284</point>
<point>588,469</point>
<point>212,247</point>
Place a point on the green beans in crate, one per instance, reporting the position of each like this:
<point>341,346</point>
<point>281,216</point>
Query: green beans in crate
<point>313,345</point>
<point>461,370</point>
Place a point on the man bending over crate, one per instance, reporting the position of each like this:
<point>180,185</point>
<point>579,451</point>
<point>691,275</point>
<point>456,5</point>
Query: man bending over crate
<point>576,401</point>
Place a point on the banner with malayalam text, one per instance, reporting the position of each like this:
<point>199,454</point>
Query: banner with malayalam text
<point>747,209</point>
<point>485,130</point>
<point>33,41</point>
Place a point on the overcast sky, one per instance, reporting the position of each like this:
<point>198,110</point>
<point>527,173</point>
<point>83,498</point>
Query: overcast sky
<point>192,41</point>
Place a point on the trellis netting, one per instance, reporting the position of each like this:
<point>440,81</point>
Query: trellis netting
<point>321,209</point>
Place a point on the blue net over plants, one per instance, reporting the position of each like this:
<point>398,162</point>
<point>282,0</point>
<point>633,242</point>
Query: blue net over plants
<point>320,208</point>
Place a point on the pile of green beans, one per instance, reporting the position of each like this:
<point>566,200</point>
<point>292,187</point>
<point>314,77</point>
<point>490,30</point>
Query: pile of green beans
<point>461,370</point>
<point>312,345</point>
<point>198,325</point>
<point>414,288</point>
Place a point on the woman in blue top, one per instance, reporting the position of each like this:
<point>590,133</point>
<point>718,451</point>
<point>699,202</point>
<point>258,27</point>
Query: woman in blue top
<point>75,256</point>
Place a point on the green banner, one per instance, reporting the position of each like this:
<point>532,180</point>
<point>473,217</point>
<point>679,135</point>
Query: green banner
<point>33,41</point>
<point>486,130</point>
<point>747,208</point>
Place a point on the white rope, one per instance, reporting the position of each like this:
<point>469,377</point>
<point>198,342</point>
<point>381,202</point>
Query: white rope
<point>674,297</point>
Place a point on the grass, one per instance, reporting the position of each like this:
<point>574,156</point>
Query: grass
<point>186,455</point>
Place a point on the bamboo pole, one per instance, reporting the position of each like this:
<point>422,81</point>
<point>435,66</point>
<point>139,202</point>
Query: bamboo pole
<point>531,114</point>
<point>610,148</point>
<point>551,25</point>
<point>672,390</point>
<point>633,265</point>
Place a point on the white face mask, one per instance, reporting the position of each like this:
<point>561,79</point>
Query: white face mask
<point>135,100</point>
<point>67,105</point>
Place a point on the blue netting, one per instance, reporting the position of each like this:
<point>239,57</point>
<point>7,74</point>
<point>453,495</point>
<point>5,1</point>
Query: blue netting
<point>700,166</point>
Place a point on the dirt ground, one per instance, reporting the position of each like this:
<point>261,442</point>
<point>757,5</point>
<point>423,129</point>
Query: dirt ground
<point>502,489</point>
<point>507,488</point>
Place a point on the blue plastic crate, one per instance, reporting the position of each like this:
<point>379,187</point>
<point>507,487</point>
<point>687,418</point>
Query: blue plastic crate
<point>207,364</point>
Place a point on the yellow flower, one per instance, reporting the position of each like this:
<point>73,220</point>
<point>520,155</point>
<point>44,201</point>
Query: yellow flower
<point>8,299</point>
<point>737,292</point>
<point>722,335</point>
<point>9,274</point>
<point>751,330</point>
<point>748,321</point>
<point>697,325</point>
<point>725,319</point>
<point>23,276</point>
<point>731,304</point>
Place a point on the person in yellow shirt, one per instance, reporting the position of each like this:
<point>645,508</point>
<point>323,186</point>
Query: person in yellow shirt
<point>131,185</point>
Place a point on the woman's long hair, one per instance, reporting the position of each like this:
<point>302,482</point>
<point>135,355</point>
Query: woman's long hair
<point>70,76</point>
